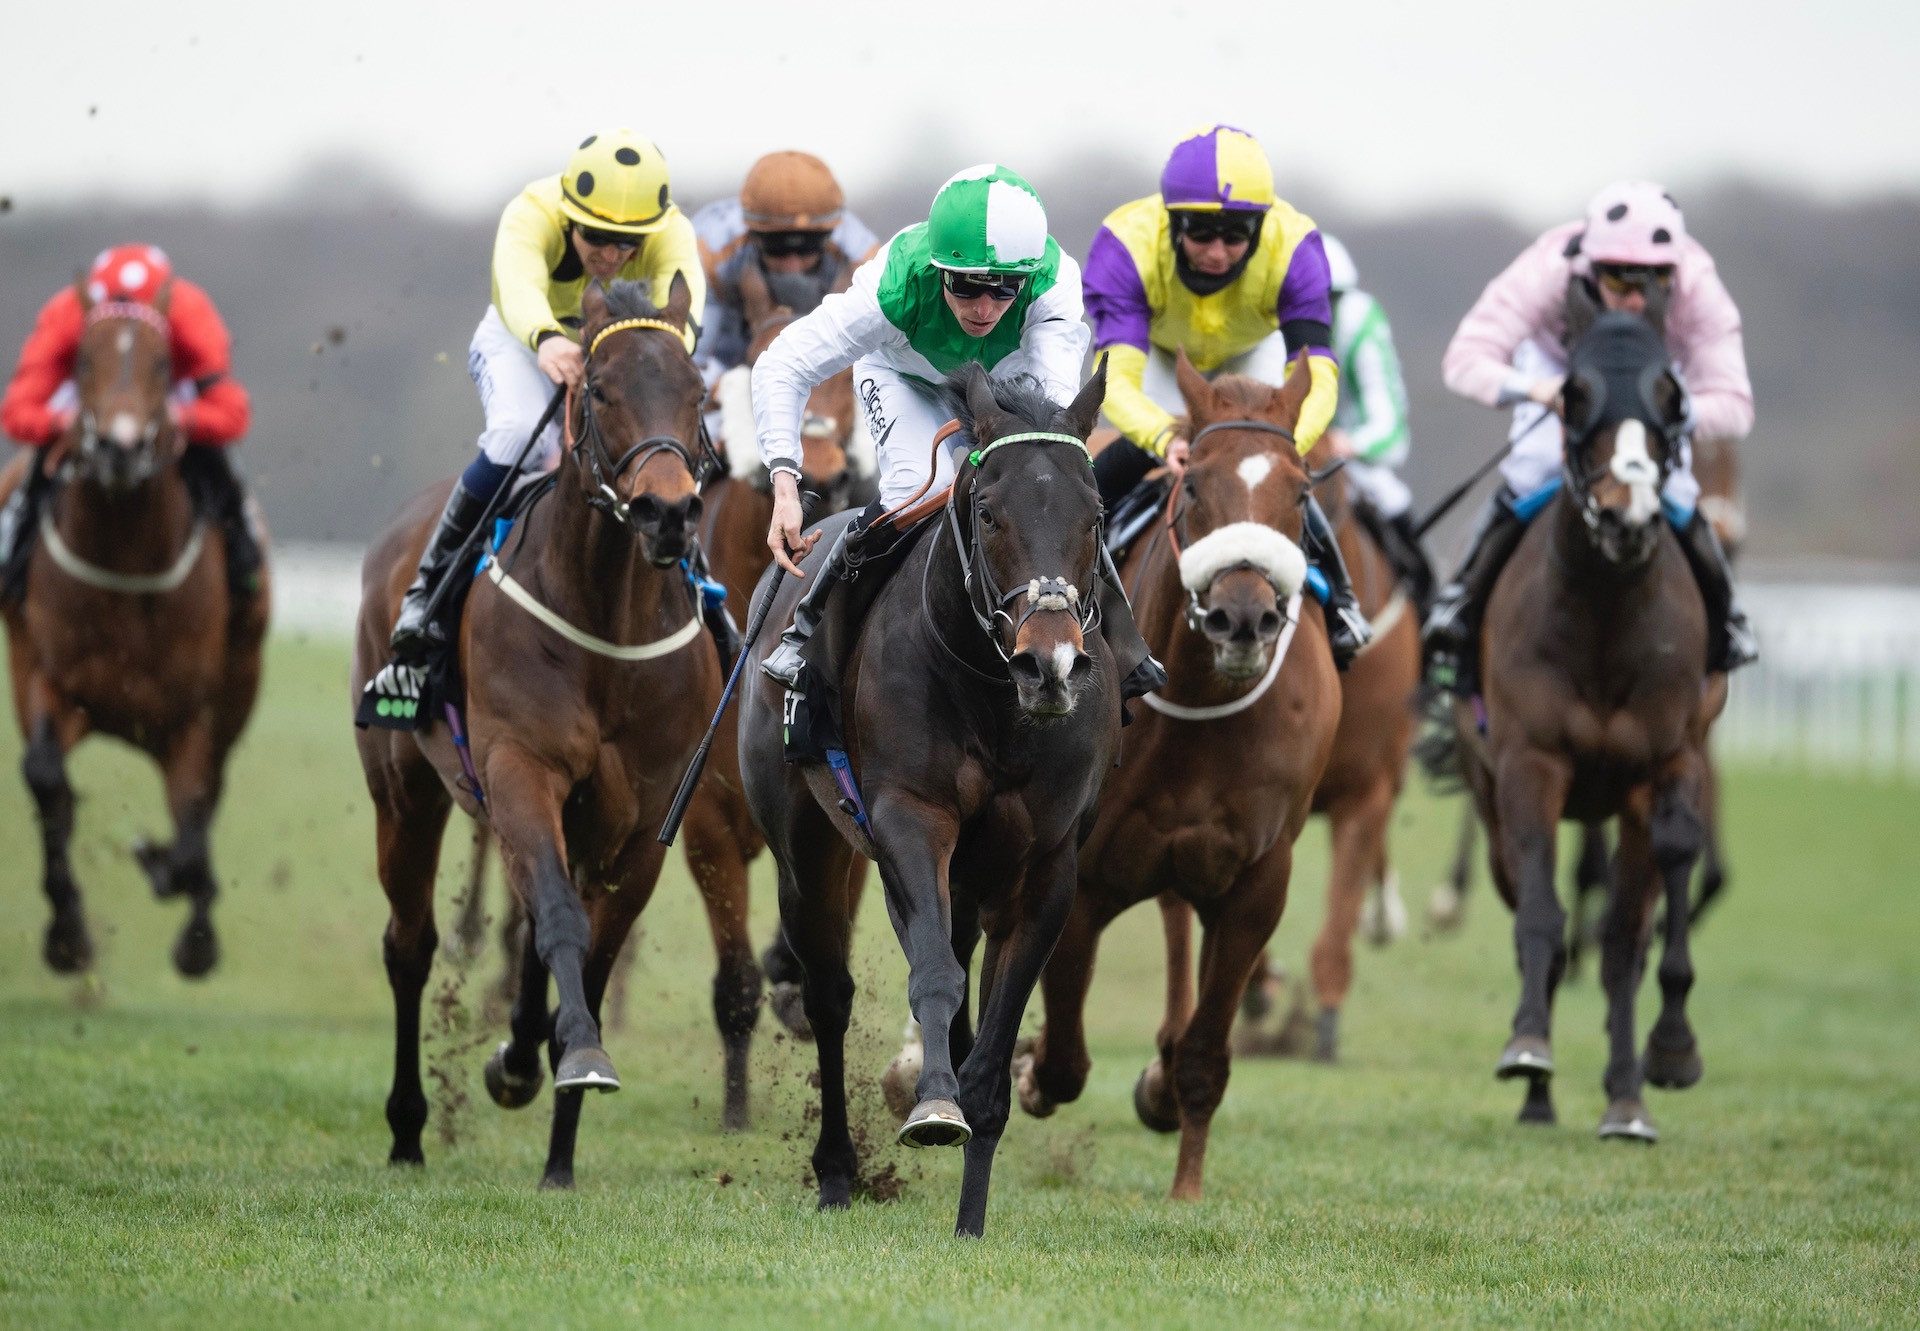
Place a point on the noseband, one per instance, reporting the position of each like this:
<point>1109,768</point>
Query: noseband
<point>603,471</point>
<point>1176,512</point>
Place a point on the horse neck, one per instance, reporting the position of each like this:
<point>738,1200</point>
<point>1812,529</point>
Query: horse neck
<point>591,571</point>
<point>134,530</point>
<point>952,619</point>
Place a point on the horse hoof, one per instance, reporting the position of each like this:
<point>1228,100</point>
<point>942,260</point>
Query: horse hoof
<point>1033,1100</point>
<point>900,1083</point>
<point>407,1155</point>
<point>156,861</point>
<point>557,1180</point>
<point>69,948</point>
<point>836,1194</point>
<point>935,1123</point>
<point>789,1005</point>
<point>1326,1036</point>
<point>1147,1089</point>
<point>1628,1120</point>
<point>1525,1056</point>
<point>196,950</point>
<point>508,1089</point>
<point>1445,909</point>
<point>1674,1069</point>
<point>587,1069</point>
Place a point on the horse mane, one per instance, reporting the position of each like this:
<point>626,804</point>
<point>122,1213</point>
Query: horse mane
<point>1248,395</point>
<point>1020,396</point>
<point>628,299</point>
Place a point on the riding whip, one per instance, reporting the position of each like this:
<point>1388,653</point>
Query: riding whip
<point>1459,492</point>
<point>677,811</point>
<point>500,496</point>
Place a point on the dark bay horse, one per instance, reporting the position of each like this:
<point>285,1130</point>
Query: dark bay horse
<point>1220,773</point>
<point>1597,706</point>
<point>127,629</point>
<point>589,681</point>
<point>981,723</point>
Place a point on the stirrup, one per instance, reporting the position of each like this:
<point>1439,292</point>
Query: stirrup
<point>784,663</point>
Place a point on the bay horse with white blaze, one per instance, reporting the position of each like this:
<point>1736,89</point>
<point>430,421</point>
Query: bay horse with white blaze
<point>1597,706</point>
<point>980,724</point>
<point>1221,772</point>
<point>128,627</point>
<point>588,684</point>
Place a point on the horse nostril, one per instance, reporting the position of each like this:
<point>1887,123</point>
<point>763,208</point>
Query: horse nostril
<point>1218,624</point>
<point>1081,668</point>
<point>645,510</point>
<point>693,511</point>
<point>1025,669</point>
<point>1269,625</point>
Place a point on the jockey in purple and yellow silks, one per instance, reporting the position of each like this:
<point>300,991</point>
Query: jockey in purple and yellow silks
<point>1216,264</point>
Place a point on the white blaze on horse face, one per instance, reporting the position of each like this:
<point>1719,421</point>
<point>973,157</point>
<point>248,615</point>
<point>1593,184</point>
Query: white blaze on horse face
<point>1063,658</point>
<point>1254,470</point>
<point>1635,469</point>
<point>124,429</point>
<point>124,342</point>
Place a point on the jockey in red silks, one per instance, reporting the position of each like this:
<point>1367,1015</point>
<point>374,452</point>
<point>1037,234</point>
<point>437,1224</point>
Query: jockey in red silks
<point>207,404</point>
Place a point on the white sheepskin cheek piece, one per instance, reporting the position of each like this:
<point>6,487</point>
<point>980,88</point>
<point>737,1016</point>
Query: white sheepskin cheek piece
<point>1252,543</point>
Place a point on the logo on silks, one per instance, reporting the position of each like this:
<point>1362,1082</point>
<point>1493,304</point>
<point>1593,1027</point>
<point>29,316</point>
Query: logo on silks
<point>876,414</point>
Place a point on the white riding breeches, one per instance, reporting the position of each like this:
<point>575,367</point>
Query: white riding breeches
<point>514,393</point>
<point>1380,486</point>
<point>902,416</point>
<point>1536,459</point>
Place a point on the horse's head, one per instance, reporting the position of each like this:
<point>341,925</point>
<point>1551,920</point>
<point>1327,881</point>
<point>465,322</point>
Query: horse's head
<point>1026,515</point>
<point>123,371</point>
<point>1238,513</point>
<point>1625,412</point>
<point>636,420</point>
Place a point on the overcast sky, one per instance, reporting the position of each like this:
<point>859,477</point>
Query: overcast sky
<point>1524,107</point>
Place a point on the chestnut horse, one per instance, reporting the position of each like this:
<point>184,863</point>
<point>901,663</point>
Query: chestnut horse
<point>1593,663</point>
<point>981,723</point>
<point>589,681</point>
<point>1221,772</point>
<point>127,628</point>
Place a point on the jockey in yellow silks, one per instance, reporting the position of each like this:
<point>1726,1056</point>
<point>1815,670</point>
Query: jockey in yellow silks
<point>1216,264</point>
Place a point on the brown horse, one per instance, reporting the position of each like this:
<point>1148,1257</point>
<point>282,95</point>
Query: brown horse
<point>1593,659</point>
<point>981,723</point>
<point>1220,774</point>
<point>588,683</point>
<point>127,627</point>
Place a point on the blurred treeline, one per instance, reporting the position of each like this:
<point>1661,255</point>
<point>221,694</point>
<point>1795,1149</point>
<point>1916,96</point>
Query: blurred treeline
<point>351,306</point>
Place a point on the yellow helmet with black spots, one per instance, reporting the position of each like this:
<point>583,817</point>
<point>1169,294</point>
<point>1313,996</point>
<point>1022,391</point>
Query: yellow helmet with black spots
<point>616,180</point>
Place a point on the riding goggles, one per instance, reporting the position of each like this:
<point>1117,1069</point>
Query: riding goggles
<point>787,244</point>
<point>1627,279</point>
<point>618,240</point>
<point>1204,228</point>
<point>971,286</point>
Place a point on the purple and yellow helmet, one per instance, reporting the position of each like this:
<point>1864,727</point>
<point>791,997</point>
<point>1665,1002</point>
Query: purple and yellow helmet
<point>1218,169</point>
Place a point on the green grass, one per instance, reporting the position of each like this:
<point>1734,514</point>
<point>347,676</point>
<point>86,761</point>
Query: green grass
<point>213,1153</point>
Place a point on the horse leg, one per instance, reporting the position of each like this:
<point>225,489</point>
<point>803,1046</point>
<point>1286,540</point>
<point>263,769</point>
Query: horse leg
<point>408,827</point>
<point>193,770</point>
<point>986,1078</point>
<point>1530,790</point>
<point>1054,1072</point>
<point>1359,839</point>
<point>514,1072</point>
<point>1447,907</point>
<point>816,917</point>
<point>51,736</point>
<point>1673,1054</point>
<point>1240,926</point>
<point>1713,872</point>
<point>720,873</point>
<point>1153,1098</point>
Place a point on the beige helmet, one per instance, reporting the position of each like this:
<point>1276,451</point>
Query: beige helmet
<point>791,191</point>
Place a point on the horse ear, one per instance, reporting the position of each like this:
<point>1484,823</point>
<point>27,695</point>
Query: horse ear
<point>980,403</point>
<point>1193,385</point>
<point>1084,411</point>
<point>164,297</point>
<point>593,304</point>
<point>80,290</point>
<point>1299,382</point>
<point>1577,405</point>
<point>679,300</point>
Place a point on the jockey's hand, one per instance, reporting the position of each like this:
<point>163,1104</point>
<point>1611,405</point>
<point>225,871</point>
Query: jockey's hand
<point>561,361</point>
<point>1547,392</point>
<point>1177,450</point>
<point>783,533</point>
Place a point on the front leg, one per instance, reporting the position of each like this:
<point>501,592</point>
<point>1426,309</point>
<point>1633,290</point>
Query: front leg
<point>52,730</point>
<point>1530,791</point>
<point>193,766</point>
<point>1673,1055</point>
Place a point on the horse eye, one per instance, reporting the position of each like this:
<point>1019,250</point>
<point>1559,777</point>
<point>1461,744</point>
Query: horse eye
<point>987,518</point>
<point>598,395</point>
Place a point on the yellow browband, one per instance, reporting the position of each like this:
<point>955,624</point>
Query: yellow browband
<point>621,325</point>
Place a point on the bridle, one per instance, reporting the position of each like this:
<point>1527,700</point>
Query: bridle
<point>1175,520</point>
<point>1580,477</point>
<point>159,428</point>
<point>603,470</point>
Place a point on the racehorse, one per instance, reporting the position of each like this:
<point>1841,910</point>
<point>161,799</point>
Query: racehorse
<point>127,626</point>
<point>588,682</point>
<point>981,714</point>
<point>1593,659</point>
<point>1221,771</point>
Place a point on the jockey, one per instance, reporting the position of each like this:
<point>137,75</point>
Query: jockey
<point>1370,424</point>
<point>609,216</point>
<point>980,280</point>
<point>1631,252</point>
<point>1217,264</point>
<point>207,403</point>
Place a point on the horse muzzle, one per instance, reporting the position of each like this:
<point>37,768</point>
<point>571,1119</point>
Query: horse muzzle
<point>668,527</point>
<point>1049,662</point>
<point>1241,621</point>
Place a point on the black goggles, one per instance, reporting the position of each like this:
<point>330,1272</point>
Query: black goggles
<point>1204,228</point>
<point>787,244</point>
<point>1626,279</point>
<point>972,286</point>
<point>619,240</point>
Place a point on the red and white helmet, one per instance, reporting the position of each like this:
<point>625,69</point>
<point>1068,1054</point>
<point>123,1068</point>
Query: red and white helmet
<point>132,273</point>
<point>1633,222</point>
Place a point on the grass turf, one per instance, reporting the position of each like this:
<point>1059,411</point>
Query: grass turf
<point>213,1153</point>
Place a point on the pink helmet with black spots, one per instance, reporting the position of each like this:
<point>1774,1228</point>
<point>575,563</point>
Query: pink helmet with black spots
<point>1633,222</point>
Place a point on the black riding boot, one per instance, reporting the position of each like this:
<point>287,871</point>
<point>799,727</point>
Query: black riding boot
<point>1141,674</point>
<point>1347,628</point>
<point>1400,543</point>
<point>713,611</point>
<point>18,519</point>
<point>415,638</point>
<point>1452,629</point>
<point>219,494</point>
<point>784,662</point>
<point>1730,640</point>
<point>1119,469</point>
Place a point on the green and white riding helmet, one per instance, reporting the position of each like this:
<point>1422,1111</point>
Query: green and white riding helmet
<point>987,219</point>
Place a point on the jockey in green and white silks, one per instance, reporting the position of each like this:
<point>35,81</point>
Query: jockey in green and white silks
<point>980,280</point>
